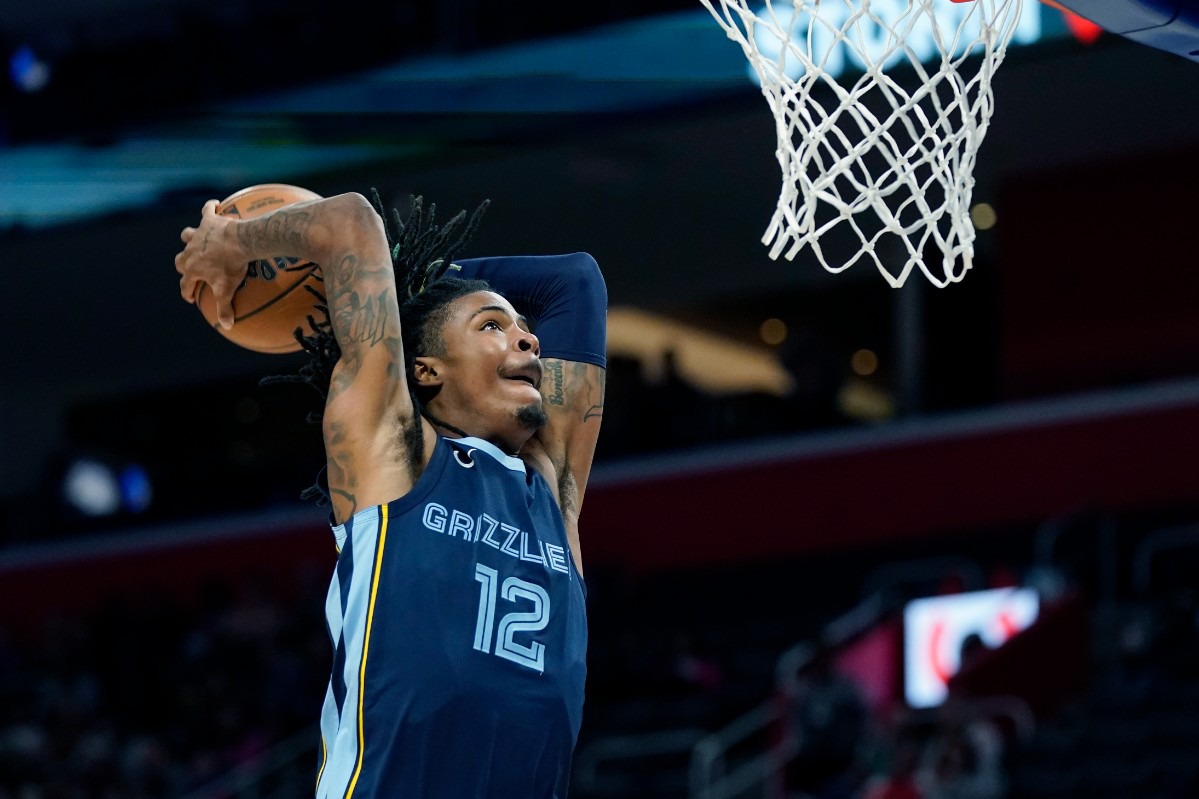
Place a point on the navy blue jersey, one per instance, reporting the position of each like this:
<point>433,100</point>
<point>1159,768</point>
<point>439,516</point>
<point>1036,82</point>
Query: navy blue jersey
<point>460,638</point>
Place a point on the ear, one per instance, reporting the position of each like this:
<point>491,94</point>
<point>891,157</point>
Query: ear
<point>426,372</point>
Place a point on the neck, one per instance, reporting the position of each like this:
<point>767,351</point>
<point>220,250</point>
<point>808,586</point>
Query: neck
<point>511,444</point>
<point>446,426</point>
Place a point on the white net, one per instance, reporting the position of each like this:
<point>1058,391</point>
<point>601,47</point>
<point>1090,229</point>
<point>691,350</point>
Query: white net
<point>867,162</point>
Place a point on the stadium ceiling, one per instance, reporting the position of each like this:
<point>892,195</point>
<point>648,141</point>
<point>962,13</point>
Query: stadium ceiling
<point>404,109</point>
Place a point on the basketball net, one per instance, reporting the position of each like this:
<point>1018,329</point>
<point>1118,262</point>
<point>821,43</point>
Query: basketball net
<point>867,162</point>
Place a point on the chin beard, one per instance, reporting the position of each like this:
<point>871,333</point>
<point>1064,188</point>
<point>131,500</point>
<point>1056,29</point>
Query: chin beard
<point>532,417</point>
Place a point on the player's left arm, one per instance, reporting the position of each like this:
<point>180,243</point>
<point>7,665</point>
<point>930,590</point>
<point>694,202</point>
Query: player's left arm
<point>573,395</point>
<point>567,299</point>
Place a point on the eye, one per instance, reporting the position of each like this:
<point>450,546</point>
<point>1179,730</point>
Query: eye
<point>491,324</point>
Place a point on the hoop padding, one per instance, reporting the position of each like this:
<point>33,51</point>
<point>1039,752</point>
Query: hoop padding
<point>872,159</point>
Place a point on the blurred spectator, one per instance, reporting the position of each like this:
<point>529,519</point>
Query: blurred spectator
<point>153,699</point>
<point>692,666</point>
<point>972,650</point>
<point>964,759</point>
<point>957,752</point>
<point>829,719</point>
<point>901,780</point>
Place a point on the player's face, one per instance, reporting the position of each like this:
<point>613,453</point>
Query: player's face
<point>491,370</point>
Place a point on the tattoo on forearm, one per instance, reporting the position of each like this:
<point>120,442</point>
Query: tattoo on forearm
<point>283,229</point>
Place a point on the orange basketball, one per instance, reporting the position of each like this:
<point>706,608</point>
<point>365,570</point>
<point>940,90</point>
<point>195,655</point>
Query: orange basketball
<point>272,301</point>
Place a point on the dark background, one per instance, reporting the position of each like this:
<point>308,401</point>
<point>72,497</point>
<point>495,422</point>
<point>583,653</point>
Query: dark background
<point>1082,285</point>
<point>1048,403</point>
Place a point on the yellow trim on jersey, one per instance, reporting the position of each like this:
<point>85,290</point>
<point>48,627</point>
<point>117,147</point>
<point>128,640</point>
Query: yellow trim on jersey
<point>366,645</point>
<point>324,759</point>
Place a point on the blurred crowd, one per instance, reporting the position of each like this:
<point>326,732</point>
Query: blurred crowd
<point>848,750</point>
<point>151,696</point>
<point>1127,730</point>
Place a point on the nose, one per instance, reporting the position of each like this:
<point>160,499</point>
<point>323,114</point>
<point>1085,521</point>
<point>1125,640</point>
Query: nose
<point>527,342</point>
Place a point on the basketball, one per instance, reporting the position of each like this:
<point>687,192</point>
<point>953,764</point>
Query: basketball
<point>272,301</point>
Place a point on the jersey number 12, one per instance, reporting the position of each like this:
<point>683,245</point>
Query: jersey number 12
<point>514,589</point>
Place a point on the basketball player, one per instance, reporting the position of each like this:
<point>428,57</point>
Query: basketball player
<point>458,447</point>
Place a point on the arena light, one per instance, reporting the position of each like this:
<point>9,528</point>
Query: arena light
<point>91,488</point>
<point>711,362</point>
<point>773,331</point>
<point>837,58</point>
<point>96,487</point>
<point>28,72</point>
<point>136,490</point>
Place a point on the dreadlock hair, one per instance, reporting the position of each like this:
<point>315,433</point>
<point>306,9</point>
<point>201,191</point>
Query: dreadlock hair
<point>421,254</point>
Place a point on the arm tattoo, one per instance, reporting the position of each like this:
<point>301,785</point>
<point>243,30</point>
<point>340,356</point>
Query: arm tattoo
<point>574,388</point>
<point>360,292</point>
<point>341,477</point>
<point>284,228</point>
<point>358,317</point>
<point>596,411</point>
<point>585,386</point>
<point>348,499</point>
<point>362,320</point>
<point>362,300</point>
<point>555,395</point>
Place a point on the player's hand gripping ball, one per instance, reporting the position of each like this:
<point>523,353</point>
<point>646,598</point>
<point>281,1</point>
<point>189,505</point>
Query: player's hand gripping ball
<point>272,300</point>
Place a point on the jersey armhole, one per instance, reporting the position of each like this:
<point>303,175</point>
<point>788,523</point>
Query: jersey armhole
<point>422,488</point>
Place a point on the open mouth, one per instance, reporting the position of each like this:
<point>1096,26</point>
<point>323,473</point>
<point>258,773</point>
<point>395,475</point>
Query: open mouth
<point>530,374</point>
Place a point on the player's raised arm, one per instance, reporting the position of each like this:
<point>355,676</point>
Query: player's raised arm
<point>369,409</point>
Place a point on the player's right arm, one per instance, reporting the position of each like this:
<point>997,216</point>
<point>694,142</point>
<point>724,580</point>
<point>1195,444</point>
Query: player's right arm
<point>369,418</point>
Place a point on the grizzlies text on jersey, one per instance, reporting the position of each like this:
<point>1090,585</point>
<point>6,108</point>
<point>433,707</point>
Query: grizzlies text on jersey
<point>460,639</point>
